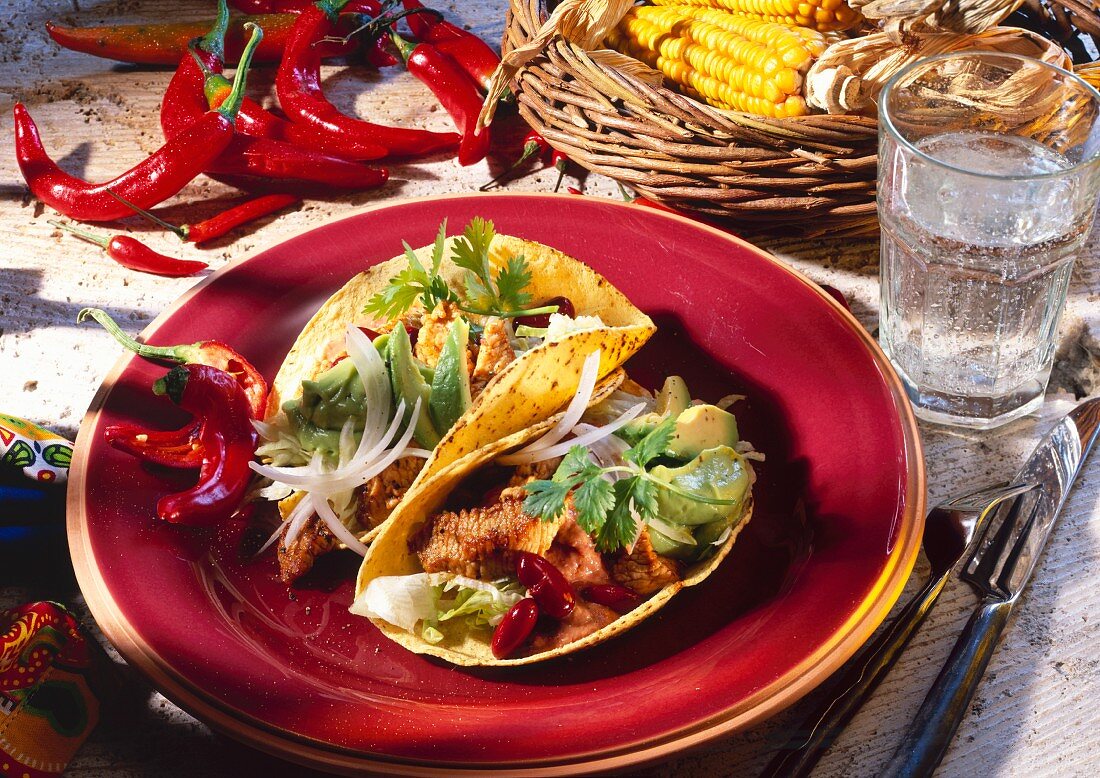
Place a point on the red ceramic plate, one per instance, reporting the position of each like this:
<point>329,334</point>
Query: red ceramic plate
<point>839,510</point>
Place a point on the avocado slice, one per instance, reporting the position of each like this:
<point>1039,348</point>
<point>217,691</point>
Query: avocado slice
<point>701,427</point>
<point>451,381</point>
<point>409,385</point>
<point>674,397</point>
<point>324,405</point>
<point>717,474</point>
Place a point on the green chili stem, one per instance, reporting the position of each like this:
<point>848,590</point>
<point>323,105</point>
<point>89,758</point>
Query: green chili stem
<point>181,233</point>
<point>214,41</point>
<point>232,103</point>
<point>91,237</point>
<point>173,353</point>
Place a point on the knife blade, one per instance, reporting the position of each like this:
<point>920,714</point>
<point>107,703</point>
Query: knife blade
<point>999,570</point>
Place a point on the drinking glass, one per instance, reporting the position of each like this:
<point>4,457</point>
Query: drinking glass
<point>988,182</point>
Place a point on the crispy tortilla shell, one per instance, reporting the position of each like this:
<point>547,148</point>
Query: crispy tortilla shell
<point>390,554</point>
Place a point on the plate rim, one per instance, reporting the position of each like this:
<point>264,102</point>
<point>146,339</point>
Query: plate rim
<point>766,702</point>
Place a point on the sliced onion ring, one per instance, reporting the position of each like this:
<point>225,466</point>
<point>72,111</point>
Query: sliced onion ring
<point>332,521</point>
<point>577,406</point>
<point>526,456</point>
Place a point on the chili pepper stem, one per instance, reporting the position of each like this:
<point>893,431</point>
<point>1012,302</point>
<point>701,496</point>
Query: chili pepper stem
<point>232,103</point>
<point>172,384</point>
<point>561,175</point>
<point>173,353</point>
<point>180,232</point>
<point>214,41</point>
<point>91,237</point>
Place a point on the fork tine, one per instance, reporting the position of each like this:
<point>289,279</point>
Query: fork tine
<point>1001,544</point>
<point>975,501</point>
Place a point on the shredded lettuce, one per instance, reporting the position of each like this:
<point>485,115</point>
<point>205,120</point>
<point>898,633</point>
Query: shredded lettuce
<point>616,404</point>
<point>429,599</point>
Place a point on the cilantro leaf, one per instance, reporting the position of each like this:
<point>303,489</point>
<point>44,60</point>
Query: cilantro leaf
<point>576,464</point>
<point>593,499</point>
<point>619,525</point>
<point>471,253</point>
<point>546,499</point>
<point>511,280</point>
<point>413,282</point>
<point>652,445</point>
<point>438,248</point>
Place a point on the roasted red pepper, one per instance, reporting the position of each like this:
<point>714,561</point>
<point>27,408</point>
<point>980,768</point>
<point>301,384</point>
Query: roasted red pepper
<point>298,86</point>
<point>211,353</point>
<point>164,44</point>
<point>533,144</point>
<point>159,177</point>
<point>457,92</point>
<point>132,253</point>
<point>171,448</point>
<point>217,226</point>
<point>472,53</point>
<point>219,405</point>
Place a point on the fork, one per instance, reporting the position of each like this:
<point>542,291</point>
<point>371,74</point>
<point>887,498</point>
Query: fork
<point>948,531</point>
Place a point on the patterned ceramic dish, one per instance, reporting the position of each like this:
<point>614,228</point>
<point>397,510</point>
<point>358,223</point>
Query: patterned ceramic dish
<point>836,529</point>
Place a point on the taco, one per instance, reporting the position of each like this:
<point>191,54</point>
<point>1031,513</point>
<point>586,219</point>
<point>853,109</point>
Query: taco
<point>542,544</point>
<point>418,362</point>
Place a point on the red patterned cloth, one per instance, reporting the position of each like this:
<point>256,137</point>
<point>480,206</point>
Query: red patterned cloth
<point>52,679</point>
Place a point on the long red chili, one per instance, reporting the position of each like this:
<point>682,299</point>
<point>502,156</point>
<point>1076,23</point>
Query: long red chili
<point>135,255</point>
<point>560,162</point>
<point>212,353</point>
<point>454,88</point>
<point>298,86</point>
<point>160,176</point>
<point>297,6</point>
<point>227,441</point>
<point>164,44</point>
<point>219,225</point>
<point>169,448</point>
<point>474,55</point>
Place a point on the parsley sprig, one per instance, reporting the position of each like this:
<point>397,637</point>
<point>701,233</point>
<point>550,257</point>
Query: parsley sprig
<point>608,510</point>
<point>414,281</point>
<point>486,294</point>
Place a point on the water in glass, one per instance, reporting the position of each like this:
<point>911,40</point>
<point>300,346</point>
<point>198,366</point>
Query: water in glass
<point>976,273</point>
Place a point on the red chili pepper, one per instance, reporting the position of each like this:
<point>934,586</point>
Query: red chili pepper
<point>533,144</point>
<point>378,54</point>
<point>171,448</point>
<point>573,190</point>
<point>298,86</point>
<point>135,255</point>
<point>160,176</point>
<point>266,146</point>
<point>297,6</point>
<point>164,44</point>
<point>474,55</point>
<point>217,226</point>
<point>514,628</point>
<point>211,353</point>
<point>219,404</point>
<point>457,92</point>
<point>560,161</point>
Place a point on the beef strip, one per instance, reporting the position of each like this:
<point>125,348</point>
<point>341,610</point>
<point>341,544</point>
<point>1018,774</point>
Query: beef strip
<point>379,496</point>
<point>643,569</point>
<point>296,559</point>
<point>481,542</point>
<point>494,353</point>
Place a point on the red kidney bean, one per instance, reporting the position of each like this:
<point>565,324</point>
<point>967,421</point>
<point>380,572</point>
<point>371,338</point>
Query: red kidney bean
<point>616,597</point>
<point>514,628</point>
<point>542,320</point>
<point>546,584</point>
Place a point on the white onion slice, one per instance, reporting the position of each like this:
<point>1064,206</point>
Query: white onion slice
<point>376,385</point>
<point>349,478</point>
<point>577,406</point>
<point>332,521</point>
<point>297,519</point>
<point>267,431</point>
<point>673,532</point>
<point>526,456</point>
<point>607,451</point>
<point>423,453</point>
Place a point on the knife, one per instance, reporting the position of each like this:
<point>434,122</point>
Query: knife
<point>998,570</point>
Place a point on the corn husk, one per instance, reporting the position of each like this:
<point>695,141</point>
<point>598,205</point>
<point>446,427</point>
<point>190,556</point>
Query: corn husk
<point>848,76</point>
<point>898,17</point>
<point>582,22</point>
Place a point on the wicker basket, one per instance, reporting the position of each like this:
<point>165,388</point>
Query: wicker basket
<point>813,175</point>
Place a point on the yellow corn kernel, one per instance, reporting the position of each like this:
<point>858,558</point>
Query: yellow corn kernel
<point>823,15</point>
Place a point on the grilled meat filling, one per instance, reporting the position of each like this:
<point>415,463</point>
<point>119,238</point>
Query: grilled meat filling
<point>380,495</point>
<point>643,569</point>
<point>494,353</point>
<point>296,559</point>
<point>481,542</point>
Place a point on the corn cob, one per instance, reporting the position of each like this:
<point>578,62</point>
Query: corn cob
<point>730,62</point>
<point>821,15</point>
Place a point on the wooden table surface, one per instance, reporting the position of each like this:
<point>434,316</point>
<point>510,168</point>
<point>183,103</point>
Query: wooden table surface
<point>1035,713</point>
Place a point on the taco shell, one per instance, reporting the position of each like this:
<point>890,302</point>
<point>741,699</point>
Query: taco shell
<point>389,554</point>
<point>527,391</point>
